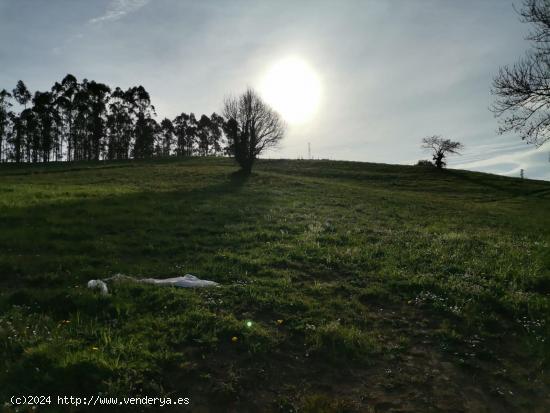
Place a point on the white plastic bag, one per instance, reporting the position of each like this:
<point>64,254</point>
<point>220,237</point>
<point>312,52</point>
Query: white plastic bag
<point>187,281</point>
<point>98,285</point>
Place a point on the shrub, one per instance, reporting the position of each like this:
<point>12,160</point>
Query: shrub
<point>424,162</point>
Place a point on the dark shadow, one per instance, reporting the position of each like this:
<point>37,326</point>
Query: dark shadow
<point>510,188</point>
<point>148,232</point>
<point>239,177</point>
<point>32,168</point>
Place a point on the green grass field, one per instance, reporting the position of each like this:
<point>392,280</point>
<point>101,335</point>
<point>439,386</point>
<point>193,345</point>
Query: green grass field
<point>346,287</point>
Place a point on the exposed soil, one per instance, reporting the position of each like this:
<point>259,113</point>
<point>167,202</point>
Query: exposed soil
<point>423,377</point>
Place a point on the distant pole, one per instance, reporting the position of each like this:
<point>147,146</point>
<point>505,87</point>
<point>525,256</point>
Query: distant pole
<point>309,150</point>
<point>521,173</point>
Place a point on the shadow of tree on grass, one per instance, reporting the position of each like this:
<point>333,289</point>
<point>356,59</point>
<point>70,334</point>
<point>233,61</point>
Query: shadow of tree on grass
<point>148,232</point>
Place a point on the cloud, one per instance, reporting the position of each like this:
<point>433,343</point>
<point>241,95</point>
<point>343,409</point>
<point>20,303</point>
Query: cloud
<point>117,9</point>
<point>534,161</point>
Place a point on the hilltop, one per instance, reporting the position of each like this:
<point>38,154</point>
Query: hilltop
<point>345,286</point>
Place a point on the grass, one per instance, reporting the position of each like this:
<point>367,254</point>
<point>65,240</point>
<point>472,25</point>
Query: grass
<point>344,286</point>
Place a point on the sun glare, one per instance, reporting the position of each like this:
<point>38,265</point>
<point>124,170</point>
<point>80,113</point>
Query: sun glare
<point>293,89</point>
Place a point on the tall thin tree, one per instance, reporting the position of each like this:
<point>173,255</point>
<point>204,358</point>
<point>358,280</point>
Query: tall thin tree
<point>5,105</point>
<point>65,93</point>
<point>166,137</point>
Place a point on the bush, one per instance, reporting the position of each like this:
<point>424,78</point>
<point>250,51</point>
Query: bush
<point>424,162</point>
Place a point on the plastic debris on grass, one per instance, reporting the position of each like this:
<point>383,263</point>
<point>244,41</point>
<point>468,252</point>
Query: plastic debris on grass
<point>98,285</point>
<point>187,281</point>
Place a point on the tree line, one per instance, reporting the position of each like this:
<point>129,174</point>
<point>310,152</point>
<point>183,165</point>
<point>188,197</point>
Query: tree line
<point>88,120</point>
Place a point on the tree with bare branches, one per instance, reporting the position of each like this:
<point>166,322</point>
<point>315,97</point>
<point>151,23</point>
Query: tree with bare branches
<point>522,91</point>
<point>441,148</point>
<point>251,127</point>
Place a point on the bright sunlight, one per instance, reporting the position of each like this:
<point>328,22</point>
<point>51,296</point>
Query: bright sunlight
<point>293,89</point>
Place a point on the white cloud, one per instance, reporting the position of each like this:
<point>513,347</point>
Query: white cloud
<point>534,161</point>
<point>118,9</point>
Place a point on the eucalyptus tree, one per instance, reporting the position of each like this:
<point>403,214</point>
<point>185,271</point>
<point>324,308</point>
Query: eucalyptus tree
<point>87,121</point>
<point>185,129</point>
<point>5,106</point>
<point>119,126</point>
<point>21,94</point>
<point>191,134</point>
<point>203,135</point>
<point>180,128</point>
<point>26,136</point>
<point>20,135</point>
<point>209,134</point>
<point>146,130</point>
<point>98,99</point>
<point>216,132</point>
<point>166,138</point>
<point>16,137</point>
<point>65,93</point>
<point>48,118</point>
<point>145,127</point>
<point>82,147</point>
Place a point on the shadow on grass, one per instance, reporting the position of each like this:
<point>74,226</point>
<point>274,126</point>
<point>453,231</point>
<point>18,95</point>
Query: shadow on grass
<point>62,167</point>
<point>149,232</point>
<point>512,188</point>
<point>49,250</point>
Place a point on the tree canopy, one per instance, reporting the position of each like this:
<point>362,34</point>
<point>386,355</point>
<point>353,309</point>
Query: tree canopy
<point>522,91</point>
<point>88,120</point>
<point>440,148</point>
<point>251,128</point>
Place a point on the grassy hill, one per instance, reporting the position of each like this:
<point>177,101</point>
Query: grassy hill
<point>345,286</point>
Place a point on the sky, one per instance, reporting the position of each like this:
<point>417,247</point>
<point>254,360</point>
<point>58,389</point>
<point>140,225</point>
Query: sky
<point>390,72</point>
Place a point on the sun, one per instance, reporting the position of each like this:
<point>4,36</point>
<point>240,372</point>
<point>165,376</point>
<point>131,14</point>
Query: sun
<point>293,89</point>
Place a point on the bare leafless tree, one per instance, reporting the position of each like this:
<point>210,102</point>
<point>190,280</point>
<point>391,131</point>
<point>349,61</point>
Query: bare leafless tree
<point>441,148</point>
<point>251,127</point>
<point>522,90</point>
